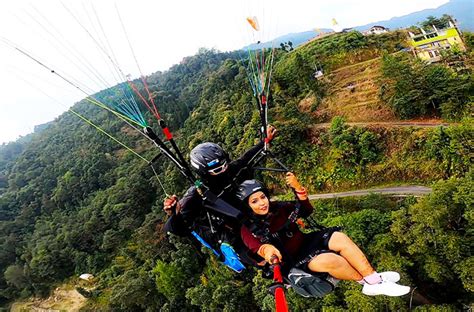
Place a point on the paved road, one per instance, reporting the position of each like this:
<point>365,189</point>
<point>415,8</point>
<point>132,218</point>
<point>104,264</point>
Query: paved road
<point>413,190</point>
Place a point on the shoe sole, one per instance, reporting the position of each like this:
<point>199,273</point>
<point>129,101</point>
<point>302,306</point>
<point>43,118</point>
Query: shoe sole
<point>407,290</point>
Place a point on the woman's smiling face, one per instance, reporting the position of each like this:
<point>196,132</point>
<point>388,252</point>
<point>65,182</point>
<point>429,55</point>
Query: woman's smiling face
<point>259,203</point>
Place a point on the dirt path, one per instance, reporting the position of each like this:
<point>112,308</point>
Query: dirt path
<point>425,124</point>
<point>414,190</point>
<point>62,299</point>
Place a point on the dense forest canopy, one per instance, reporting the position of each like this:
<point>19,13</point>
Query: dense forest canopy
<point>73,201</point>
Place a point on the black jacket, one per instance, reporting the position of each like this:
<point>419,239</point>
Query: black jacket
<point>193,214</point>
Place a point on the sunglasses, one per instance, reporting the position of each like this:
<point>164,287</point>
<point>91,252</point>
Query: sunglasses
<point>218,170</point>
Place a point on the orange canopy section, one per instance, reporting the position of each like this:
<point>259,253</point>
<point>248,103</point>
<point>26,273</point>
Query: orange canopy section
<point>253,22</point>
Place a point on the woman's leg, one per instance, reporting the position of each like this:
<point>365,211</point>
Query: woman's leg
<point>352,264</point>
<point>342,244</point>
<point>335,265</point>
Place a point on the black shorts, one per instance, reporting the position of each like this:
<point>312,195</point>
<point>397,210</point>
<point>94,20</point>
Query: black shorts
<point>315,243</point>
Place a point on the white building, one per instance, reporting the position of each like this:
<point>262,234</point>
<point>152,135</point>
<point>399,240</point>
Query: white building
<point>375,30</point>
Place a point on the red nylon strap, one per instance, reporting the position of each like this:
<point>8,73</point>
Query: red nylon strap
<point>280,300</point>
<point>277,274</point>
<point>167,133</point>
<point>264,100</point>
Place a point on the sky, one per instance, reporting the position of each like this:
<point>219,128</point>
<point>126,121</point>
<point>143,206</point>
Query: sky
<point>69,37</point>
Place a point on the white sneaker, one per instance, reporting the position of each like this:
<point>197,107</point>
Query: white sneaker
<point>390,276</point>
<point>385,288</point>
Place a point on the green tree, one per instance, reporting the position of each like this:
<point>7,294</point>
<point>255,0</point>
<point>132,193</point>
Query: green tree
<point>139,285</point>
<point>15,276</point>
<point>173,277</point>
<point>436,232</point>
<point>439,23</point>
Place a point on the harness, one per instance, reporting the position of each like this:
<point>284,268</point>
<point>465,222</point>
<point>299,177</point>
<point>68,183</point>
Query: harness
<point>261,230</point>
<point>304,282</point>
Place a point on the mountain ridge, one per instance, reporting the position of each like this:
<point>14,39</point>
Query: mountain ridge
<point>459,9</point>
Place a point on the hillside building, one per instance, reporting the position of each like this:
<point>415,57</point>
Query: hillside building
<point>428,45</point>
<point>375,30</point>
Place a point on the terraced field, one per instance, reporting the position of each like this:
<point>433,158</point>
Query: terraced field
<point>354,93</point>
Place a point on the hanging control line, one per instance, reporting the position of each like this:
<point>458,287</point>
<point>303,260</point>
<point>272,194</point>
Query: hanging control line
<point>92,100</point>
<point>150,163</point>
<point>110,58</point>
<point>142,77</point>
<point>182,166</point>
<point>147,131</point>
<point>211,201</point>
<point>259,72</point>
<point>152,106</point>
<point>178,160</point>
<point>89,98</point>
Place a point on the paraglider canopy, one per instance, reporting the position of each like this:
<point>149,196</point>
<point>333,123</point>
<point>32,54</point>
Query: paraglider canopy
<point>253,21</point>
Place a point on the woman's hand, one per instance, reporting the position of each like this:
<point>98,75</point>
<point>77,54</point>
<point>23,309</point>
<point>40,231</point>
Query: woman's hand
<point>293,182</point>
<point>269,253</point>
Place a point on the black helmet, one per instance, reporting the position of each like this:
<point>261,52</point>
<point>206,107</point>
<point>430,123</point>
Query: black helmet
<point>209,158</point>
<point>247,188</point>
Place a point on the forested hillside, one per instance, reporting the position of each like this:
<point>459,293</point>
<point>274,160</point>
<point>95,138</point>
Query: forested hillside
<point>73,201</point>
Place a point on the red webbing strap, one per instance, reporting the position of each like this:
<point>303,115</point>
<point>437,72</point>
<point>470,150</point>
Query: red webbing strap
<point>280,299</point>
<point>167,133</point>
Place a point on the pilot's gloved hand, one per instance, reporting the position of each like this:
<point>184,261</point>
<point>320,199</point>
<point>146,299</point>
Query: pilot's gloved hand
<point>271,132</point>
<point>171,205</point>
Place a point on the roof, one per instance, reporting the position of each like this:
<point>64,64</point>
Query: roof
<point>378,26</point>
<point>86,276</point>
